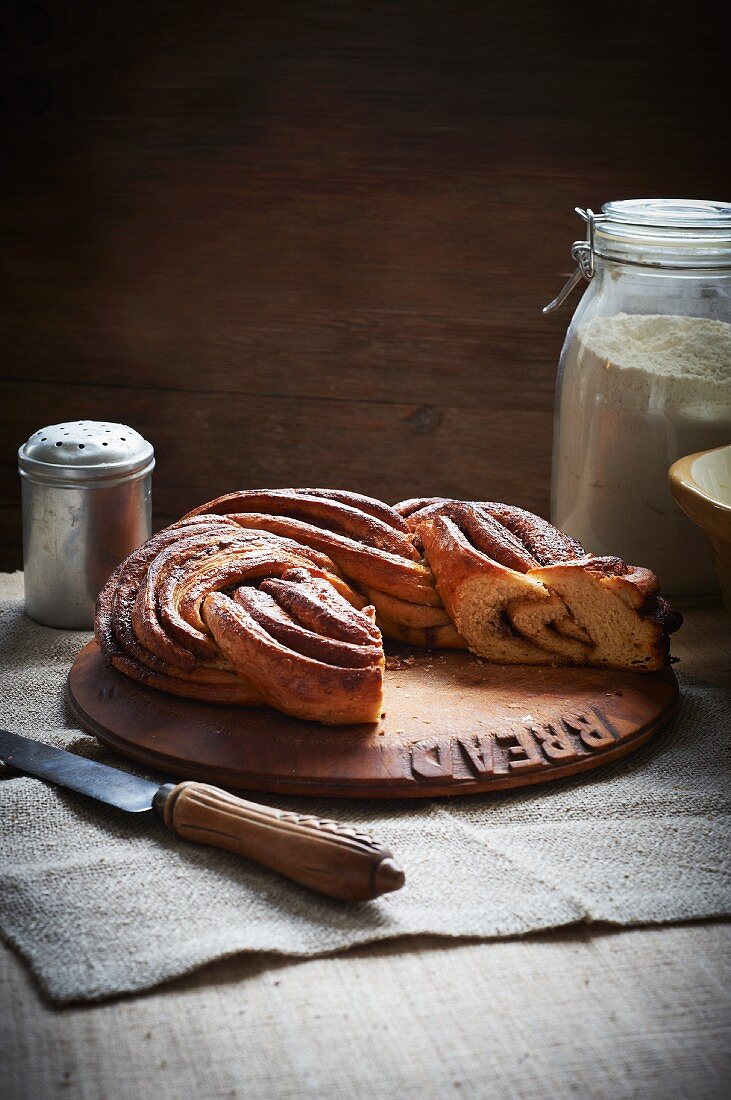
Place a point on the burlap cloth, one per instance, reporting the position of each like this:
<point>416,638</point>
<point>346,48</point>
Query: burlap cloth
<point>99,902</point>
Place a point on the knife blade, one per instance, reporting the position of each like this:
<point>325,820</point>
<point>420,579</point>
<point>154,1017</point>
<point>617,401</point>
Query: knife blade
<point>110,785</point>
<point>333,859</point>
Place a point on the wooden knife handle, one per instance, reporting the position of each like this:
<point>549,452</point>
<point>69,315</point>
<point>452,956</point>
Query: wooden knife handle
<point>328,857</point>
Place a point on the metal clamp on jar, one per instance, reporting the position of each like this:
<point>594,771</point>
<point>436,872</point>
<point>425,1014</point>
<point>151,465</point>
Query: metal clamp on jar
<point>644,379</point>
<point>86,506</point>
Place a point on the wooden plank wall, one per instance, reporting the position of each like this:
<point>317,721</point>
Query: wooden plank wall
<point>308,243</point>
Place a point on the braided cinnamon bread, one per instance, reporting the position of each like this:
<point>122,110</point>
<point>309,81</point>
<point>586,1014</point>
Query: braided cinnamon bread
<point>522,592</point>
<point>367,540</point>
<point>277,596</point>
<point>183,614</point>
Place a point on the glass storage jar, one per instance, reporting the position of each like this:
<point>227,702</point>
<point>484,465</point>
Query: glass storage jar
<point>644,379</point>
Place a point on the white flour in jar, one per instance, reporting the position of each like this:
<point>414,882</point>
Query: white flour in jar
<point>639,392</point>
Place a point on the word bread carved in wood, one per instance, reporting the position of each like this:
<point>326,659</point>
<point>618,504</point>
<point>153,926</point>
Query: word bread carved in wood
<point>520,750</point>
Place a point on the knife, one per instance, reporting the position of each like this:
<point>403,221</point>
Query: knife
<point>328,857</point>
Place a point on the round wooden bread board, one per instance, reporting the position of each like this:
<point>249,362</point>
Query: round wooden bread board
<point>453,724</point>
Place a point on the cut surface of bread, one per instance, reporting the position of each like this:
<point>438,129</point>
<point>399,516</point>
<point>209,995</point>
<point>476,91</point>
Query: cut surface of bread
<point>608,607</point>
<point>585,610</point>
<point>477,590</point>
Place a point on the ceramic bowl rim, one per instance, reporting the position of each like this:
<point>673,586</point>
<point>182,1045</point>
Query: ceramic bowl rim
<point>680,474</point>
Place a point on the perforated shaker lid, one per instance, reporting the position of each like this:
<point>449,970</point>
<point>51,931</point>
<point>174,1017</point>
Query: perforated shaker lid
<point>85,451</point>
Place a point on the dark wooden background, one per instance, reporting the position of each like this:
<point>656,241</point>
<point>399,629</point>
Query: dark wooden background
<point>303,242</point>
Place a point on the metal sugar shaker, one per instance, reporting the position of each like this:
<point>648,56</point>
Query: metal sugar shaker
<point>86,506</point>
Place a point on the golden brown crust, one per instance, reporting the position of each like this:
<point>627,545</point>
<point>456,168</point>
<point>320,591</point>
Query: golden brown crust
<point>427,637</point>
<point>405,578</point>
<point>487,535</point>
<point>405,612</point>
<point>319,677</point>
<point>375,526</point>
<point>544,541</point>
<point>151,622</point>
<point>535,536</point>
